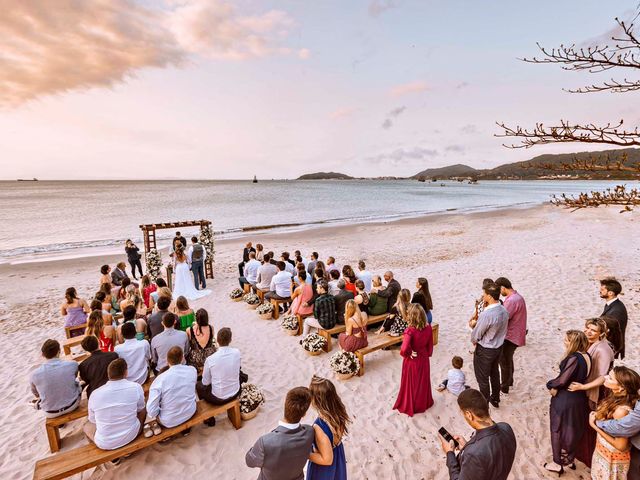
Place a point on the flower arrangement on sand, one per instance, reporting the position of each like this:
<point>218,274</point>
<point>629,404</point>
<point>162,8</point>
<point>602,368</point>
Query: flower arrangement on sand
<point>265,310</point>
<point>251,299</point>
<point>344,364</point>
<point>153,260</point>
<point>207,241</point>
<point>313,343</point>
<point>250,399</point>
<point>236,294</point>
<point>289,323</point>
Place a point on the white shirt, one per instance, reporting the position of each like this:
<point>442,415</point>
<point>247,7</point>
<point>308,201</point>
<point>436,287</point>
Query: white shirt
<point>333,287</point>
<point>114,409</point>
<point>281,284</point>
<point>366,277</point>
<point>332,267</point>
<point>222,371</point>
<point>289,268</point>
<point>137,354</point>
<point>290,426</point>
<point>251,270</point>
<point>172,396</point>
<point>190,253</point>
<point>455,381</point>
<point>611,301</point>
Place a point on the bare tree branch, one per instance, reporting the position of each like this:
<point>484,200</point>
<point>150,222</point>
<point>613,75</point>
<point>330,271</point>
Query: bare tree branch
<point>616,196</point>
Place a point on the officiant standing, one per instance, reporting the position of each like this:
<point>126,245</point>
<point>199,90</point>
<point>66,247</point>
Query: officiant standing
<point>197,255</point>
<point>133,255</point>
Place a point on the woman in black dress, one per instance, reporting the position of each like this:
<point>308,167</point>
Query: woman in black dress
<point>569,411</point>
<point>423,297</point>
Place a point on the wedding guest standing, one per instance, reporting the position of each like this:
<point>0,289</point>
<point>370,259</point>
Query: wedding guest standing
<point>197,255</point>
<point>423,297</point>
<point>569,410</point>
<point>202,342</point>
<point>74,310</point>
<point>355,336</point>
<point>391,291</point>
<point>610,288</point>
<point>488,336</point>
<point>248,248</point>
<point>489,453</point>
<point>516,331</point>
<point>333,419</point>
<point>417,346</point>
<point>133,255</point>
<point>93,370</point>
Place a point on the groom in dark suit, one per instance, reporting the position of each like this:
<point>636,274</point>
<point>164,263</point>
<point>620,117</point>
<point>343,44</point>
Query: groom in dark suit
<point>245,257</point>
<point>610,288</point>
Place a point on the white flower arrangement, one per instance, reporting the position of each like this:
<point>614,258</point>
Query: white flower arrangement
<point>289,322</point>
<point>265,308</point>
<point>250,397</point>
<point>153,259</point>
<point>314,342</point>
<point>208,242</point>
<point>344,363</point>
<point>236,293</point>
<point>251,299</point>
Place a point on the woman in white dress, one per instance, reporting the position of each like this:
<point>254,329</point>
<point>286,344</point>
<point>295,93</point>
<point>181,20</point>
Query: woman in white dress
<point>184,284</point>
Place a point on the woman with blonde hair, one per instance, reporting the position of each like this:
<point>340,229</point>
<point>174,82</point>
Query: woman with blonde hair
<point>332,422</point>
<point>569,409</point>
<point>395,323</point>
<point>417,346</point>
<point>355,336</point>
<point>105,334</point>
<point>133,298</point>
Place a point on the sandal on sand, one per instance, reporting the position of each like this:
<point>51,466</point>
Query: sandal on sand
<point>146,431</point>
<point>156,428</point>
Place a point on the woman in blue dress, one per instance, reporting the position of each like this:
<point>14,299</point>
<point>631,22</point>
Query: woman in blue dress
<point>333,420</point>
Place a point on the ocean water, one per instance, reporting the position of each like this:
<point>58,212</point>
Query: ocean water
<point>43,219</point>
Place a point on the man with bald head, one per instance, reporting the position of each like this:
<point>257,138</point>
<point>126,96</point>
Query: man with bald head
<point>390,292</point>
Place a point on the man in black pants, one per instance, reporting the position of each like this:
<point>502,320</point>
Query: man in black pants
<point>245,257</point>
<point>488,337</point>
<point>610,288</point>
<point>133,255</point>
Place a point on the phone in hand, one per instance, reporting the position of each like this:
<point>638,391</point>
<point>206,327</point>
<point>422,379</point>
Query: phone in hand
<point>447,436</point>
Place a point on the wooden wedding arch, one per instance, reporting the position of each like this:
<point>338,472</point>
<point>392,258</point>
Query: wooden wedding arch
<point>149,233</point>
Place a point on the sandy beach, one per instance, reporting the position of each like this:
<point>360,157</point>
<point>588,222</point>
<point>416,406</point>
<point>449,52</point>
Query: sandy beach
<point>553,258</point>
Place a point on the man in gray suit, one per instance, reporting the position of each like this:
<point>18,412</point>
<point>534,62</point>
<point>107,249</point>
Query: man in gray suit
<point>282,453</point>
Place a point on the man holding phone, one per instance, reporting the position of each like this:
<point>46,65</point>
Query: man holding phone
<point>489,453</point>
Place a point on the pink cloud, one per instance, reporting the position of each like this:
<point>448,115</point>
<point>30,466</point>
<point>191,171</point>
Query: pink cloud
<point>342,113</point>
<point>408,88</point>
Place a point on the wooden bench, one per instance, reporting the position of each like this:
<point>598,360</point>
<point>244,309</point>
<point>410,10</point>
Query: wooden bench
<point>276,306</point>
<point>78,357</point>
<point>65,464</point>
<point>341,328</point>
<point>246,288</point>
<point>68,343</point>
<point>384,341</point>
<point>77,328</point>
<point>52,425</point>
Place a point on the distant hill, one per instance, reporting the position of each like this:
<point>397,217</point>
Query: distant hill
<point>457,170</point>
<point>325,176</point>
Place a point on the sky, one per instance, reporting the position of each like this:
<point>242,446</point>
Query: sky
<point>214,89</point>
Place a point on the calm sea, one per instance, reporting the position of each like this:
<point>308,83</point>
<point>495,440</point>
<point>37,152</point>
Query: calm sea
<point>44,219</point>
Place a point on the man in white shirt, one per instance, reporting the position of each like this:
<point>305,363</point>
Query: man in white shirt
<point>331,265</point>
<point>172,396</point>
<point>289,265</point>
<point>250,271</point>
<point>137,354</point>
<point>364,275</point>
<point>221,373</point>
<point>265,273</point>
<point>116,410</point>
<point>170,337</point>
<point>280,287</point>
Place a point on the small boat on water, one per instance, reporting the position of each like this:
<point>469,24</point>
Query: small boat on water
<point>255,179</point>
<point>34,179</point>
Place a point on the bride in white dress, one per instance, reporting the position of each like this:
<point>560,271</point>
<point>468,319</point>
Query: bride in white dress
<point>184,284</point>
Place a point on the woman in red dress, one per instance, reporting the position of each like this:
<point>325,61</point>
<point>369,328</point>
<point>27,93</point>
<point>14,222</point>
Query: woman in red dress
<point>417,346</point>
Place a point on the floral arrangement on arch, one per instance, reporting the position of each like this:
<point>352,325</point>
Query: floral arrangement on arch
<point>250,397</point>
<point>289,322</point>
<point>236,293</point>
<point>208,242</point>
<point>265,308</point>
<point>251,299</point>
<point>344,363</point>
<point>153,259</point>
<point>314,342</point>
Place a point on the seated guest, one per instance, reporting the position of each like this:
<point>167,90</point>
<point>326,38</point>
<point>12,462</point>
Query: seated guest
<point>109,303</point>
<point>423,297</point>
<point>105,270</point>
<point>116,410</point>
<point>280,288</point>
<point>250,272</point>
<point>121,293</point>
<point>202,342</point>
<point>259,252</point>
<point>146,289</point>
<point>392,289</point>
<point>93,370</point>
<point>137,353</point>
<point>133,298</point>
<point>185,313</point>
<point>106,335</point>
<point>301,297</point>
<point>248,248</point>
<point>341,299</point>
<point>355,336</point>
<point>311,266</point>
<point>74,310</point>
<point>324,311</point>
<point>170,337</point>
<point>155,319</point>
<point>105,304</point>
<point>153,296</point>
<point>289,265</point>
<point>283,452</point>
<point>221,374</point>
<point>361,298</point>
<point>119,274</point>
<point>489,454</point>
<point>396,323</point>
<point>334,278</point>
<point>350,279</point>
<point>320,266</point>
<point>129,316</point>
<point>331,265</point>
<point>265,273</point>
<point>377,305</point>
<point>54,382</point>
<point>172,396</point>
<point>300,268</point>
<point>364,275</point>
<point>96,305</point>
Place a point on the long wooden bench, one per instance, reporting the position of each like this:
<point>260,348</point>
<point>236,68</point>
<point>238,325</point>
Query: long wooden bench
<point>68,331</point>
<point>384,341</point>
<point>68,343</point>
<point>276,306</point>
<point>65,464</point>
<point>341,328</point>
<point>52,425</point>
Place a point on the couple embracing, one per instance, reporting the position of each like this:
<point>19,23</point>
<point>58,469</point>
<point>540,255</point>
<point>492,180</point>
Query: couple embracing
<point>190,261</point>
